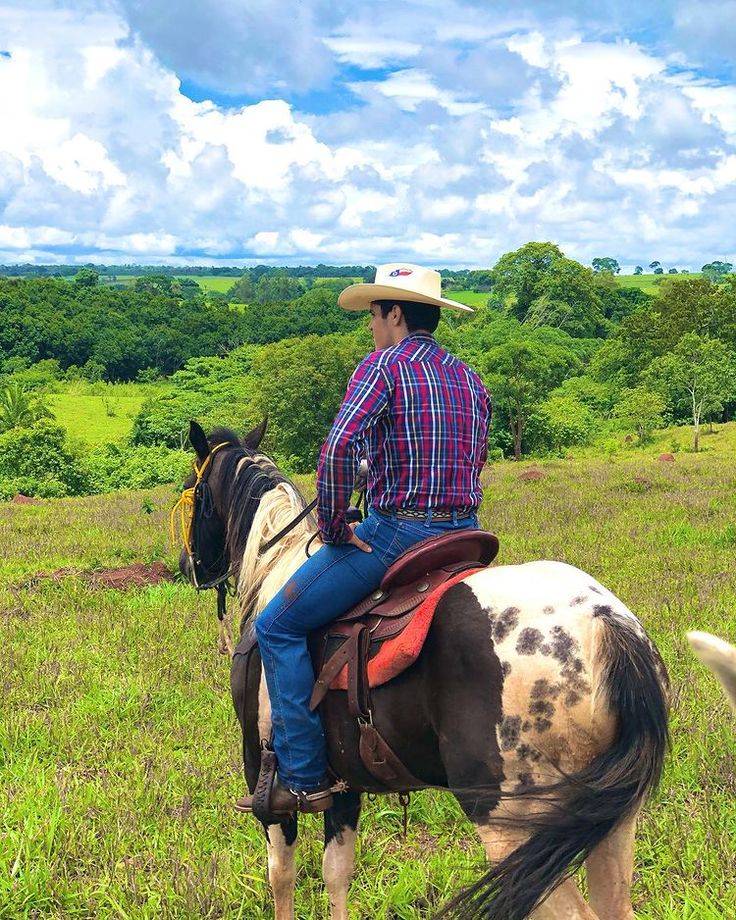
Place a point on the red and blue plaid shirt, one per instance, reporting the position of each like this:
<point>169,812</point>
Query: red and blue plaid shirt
<point>420,417</point>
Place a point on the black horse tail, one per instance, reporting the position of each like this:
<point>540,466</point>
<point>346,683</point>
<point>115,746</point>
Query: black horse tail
<point>585,807</point>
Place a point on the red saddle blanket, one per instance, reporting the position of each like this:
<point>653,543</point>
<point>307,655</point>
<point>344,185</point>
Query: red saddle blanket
<point>393,655</point>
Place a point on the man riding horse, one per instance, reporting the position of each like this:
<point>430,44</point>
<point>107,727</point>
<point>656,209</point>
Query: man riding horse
<point>420,418</point>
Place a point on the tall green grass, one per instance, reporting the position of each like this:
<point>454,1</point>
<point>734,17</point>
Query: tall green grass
<point>120,753</point>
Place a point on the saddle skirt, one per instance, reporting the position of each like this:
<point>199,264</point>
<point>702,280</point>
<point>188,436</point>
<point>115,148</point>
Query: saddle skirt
<point>383,635</point>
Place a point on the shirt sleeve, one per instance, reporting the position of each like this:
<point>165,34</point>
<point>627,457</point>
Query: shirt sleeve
<point>365,402</point>
<point>488,407</point>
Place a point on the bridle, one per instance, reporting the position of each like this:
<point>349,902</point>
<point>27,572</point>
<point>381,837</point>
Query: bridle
<point>194,505</point>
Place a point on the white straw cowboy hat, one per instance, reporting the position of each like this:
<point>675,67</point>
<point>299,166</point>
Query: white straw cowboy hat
<point>400,281</point>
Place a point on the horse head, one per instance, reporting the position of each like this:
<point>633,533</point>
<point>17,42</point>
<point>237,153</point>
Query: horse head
<point>206,556</point>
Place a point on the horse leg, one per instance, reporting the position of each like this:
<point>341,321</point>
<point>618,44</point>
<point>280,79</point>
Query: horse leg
<point>281,845</point>
<point>610,868</point>
<point>338,863</point>
<point>565,903</point>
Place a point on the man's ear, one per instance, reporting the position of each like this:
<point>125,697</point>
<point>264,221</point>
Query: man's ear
<point>198,440</point>
<point>253,439</point>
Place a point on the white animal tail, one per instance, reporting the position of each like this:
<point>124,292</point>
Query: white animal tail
<point>720,657</point>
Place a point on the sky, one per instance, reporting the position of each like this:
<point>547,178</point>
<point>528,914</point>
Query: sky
<point>443,132</point>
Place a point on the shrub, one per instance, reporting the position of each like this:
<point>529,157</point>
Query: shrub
<point>112,467</point>
<point>39,456</point>
<point>559,422</point>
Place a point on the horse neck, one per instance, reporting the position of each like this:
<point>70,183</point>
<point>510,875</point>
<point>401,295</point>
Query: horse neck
<point>261,575</point>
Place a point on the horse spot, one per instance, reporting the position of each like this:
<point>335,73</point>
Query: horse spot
<point>548,609</point>
<point>506,621</point>
<point>526,781</point>
<point>541,708</point>
<point>594,589</point>
<point>577,601</point>
<point>572,699</point>
<point>545,648</point>
<point>563,645</point>
<point>529,641</point>
<point>509,732</point>
<point>542,725</point>
<point>602,610</point>
<point>577,666</point>
<point>527,752</point>
<point>540,688</point>
<point>527,726</point>
<point>505,668</point>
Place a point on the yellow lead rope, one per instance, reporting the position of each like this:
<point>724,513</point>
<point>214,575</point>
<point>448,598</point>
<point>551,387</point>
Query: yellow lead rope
<point>185,505</point>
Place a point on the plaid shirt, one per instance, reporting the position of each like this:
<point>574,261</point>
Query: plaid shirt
<point>420,417</point>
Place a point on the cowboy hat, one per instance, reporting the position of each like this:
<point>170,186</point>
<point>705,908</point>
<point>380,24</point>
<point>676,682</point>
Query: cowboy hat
<point>400,281</point>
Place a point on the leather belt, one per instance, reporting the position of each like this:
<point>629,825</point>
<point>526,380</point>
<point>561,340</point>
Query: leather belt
<point>416,514</point>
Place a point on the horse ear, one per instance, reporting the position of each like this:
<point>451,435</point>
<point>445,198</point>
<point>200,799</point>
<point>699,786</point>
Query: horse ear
<point>254,438</point>
<point>198,440</point>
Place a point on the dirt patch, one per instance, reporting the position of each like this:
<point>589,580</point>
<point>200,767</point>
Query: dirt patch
<point>137,575</point>
<point>21,499</point>
<point>667,458</point>
<point>531,475</point>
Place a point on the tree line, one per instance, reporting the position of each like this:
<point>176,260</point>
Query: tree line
<point>568,354</point>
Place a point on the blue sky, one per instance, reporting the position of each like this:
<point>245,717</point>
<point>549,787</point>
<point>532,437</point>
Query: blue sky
<point>297,131</point>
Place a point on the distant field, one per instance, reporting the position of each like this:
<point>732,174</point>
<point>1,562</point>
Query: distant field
<point>471,298</point>
<point>100,417</point>
<point>649,283</point>
<point>96,419</point>
<point>219,283</point>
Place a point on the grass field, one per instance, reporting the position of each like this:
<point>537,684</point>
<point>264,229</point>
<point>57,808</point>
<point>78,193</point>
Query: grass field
<point>95,419</point>
<point>100,413</point>
<point>120,753</point>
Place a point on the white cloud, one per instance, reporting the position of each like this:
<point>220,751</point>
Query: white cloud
<point>486,130</point>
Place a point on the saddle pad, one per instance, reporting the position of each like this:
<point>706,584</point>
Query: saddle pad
<point>396,654</point>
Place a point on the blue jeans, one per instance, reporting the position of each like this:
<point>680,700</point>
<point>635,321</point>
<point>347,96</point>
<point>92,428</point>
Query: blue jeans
<point>332,581</point>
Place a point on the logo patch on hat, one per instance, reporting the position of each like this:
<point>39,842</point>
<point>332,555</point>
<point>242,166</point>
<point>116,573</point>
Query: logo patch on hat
<point>400,272</point>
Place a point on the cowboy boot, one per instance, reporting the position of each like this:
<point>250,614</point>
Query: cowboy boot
<point>283,801</point>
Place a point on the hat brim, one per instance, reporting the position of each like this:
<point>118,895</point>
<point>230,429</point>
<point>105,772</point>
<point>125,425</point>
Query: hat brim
<point>360,297</point>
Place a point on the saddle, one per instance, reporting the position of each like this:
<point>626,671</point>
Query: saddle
<point>383,634</point>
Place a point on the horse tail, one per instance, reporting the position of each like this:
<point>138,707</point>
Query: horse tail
<point>584,807</point>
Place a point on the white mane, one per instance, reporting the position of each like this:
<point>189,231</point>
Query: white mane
<point>263,574</point>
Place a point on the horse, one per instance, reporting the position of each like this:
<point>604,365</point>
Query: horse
<point>538,700</point>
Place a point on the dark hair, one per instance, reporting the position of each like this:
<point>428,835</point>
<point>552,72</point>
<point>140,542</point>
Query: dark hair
<point>417,315</point>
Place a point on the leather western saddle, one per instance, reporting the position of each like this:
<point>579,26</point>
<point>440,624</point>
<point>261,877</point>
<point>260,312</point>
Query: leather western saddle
<point>383,634</point>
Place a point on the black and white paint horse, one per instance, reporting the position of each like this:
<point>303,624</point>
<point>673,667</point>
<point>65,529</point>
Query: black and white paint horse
<point>538,700</point>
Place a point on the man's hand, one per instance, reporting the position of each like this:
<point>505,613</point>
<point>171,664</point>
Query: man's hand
<point>356,541</point>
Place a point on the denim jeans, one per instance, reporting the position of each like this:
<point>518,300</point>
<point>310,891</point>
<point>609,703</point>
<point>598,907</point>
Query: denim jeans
<point>332,581</point>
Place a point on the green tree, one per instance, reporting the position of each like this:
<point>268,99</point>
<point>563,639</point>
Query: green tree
<point>299,384</point>
<point>20,408</point>
<point>642,410</point>
<point>700,374</point>
<point>715,271</point>
<point>520,274</point>
<point>606,264</point>
<point>638,270</point>
<point>568,299</point>
<point>559,422</point>
<point>696,305</point>
<point>520,374</point>
<point>87,277</point>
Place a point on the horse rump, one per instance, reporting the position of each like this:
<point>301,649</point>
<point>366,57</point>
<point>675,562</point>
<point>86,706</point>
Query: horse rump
<point>582,808</point>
